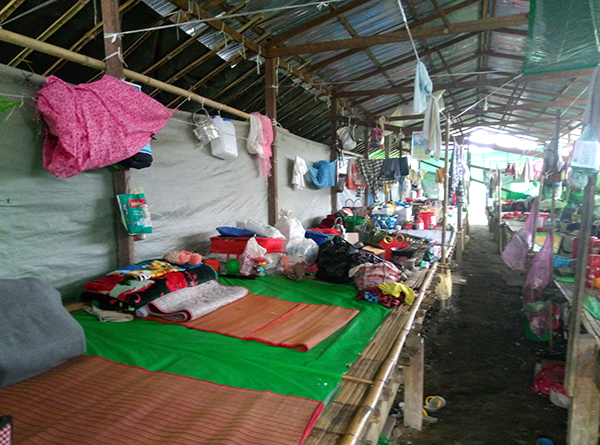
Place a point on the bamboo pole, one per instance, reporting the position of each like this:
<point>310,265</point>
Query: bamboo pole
<point>53,50</point>
<point>446,191</point>
<point>379,382</point>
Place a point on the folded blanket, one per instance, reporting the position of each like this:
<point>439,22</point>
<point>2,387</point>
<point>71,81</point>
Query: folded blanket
<point>193,302</point>
<point>126,294</point>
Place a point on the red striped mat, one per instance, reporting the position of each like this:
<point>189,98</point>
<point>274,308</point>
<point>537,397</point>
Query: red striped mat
<point>273,321</point>
<point>90,400</point>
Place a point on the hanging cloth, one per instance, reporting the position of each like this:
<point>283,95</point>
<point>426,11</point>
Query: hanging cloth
<point>300,169</point>
<point>432,131</point>
<point>255,141</point>
<point>267,141</point>
<point>457,175</point>
<point>354,179</point>
<point>322,173</point>
<point>371,171</point>
<point>423,88</point>
<point>96,124</point>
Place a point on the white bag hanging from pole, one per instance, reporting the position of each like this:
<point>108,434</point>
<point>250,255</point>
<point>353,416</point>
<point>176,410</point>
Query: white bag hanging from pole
<point>586,151</point>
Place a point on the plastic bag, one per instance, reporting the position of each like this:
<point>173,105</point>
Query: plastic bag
<point>515,252</point>
<point>134,212</point>
<point>443,290</point>
<point>260,229</point>
<point>305,251</point>
<point>334,260</point>
<point>346,136</point>
<point>291,228</point>
<point>538,278</point>
<point>369,275</point>
<point>253,251</point>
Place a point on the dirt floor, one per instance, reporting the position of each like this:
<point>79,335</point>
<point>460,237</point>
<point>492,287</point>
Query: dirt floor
<point>478,359</point>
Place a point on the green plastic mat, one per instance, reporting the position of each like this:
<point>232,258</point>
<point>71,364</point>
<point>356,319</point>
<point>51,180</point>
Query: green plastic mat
<point>561,35</point>
<point>241,363</point>
<point>565,279</point>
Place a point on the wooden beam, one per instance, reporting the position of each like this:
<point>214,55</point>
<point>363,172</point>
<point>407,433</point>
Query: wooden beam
<point>443,15</point>
<point>415,24</point>
<point>500,55</point>
<point>50,30</point>
<point>271,84</point>
<point>111,21</point>
<point>315,22</point>
<point>584,412</point>
<point>466,85</point>
<point>400,36</point>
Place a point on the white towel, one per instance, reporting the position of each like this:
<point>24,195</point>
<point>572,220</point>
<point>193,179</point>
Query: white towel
<point>300,169</point>
<point>423,88</point>
<point>255,137</point>
<point>103,315</point>
<point>432,131</point>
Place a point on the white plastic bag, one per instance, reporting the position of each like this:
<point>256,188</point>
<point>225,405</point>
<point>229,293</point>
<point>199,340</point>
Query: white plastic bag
<point>443,290</point>
<point>291,228</point>
<point>305,250</point>
<point>252,252</point>
<point>260,228</point>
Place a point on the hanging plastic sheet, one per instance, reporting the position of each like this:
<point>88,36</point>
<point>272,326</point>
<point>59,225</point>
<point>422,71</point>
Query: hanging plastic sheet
<point>515,252</point>
<point>562,36</point>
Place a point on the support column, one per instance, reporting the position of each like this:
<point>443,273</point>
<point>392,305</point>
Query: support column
<point>271,84</point>
<point>414,382</point>
<point>334,146</point>
<point>114,67</point>
<point>584,413</point>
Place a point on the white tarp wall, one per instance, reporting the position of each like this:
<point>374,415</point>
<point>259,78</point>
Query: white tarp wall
<point>63,231</point>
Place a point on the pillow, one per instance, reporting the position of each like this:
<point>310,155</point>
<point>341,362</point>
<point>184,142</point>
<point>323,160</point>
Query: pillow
<point>234,231</point>
<point>37,332</point>
<point>126,293</point>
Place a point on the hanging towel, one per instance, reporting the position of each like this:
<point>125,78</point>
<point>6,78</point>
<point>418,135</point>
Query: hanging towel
<point>300,169</point>
<point>267,141</point>
<point>97,124</point>
<point>255,136</point>
<point>423,88</point>
<point>322,173</point>
<point>431,128</point>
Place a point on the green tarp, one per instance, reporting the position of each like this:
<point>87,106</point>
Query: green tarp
<point>562,36</point>
<point>241,363</point>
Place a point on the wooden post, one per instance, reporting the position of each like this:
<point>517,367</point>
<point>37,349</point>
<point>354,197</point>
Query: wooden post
<point>446,190</point>
<point>414,384</point>
<point>584,412</point>
<point>459,235</point>
<point>580,273</point>
<point>499,209</point>
<point>334,145</point>
<point>271,84</point>
<point>114,67</point>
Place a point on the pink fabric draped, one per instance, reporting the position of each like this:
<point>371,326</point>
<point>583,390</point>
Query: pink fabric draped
<point>267,128</point>
<point>94,125</point>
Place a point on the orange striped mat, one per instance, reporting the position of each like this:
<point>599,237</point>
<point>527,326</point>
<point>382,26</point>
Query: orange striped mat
<point>90,400</point>
<point>276,322</point>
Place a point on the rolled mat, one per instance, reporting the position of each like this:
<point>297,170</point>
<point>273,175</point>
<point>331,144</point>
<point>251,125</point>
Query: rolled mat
<point>276,322</point>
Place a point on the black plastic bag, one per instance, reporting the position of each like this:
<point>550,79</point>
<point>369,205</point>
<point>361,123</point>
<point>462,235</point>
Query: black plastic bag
<point>334,260</point>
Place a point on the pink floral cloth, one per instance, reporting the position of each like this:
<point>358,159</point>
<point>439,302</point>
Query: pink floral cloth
<point>267,140</point>
<point>94,125</point>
